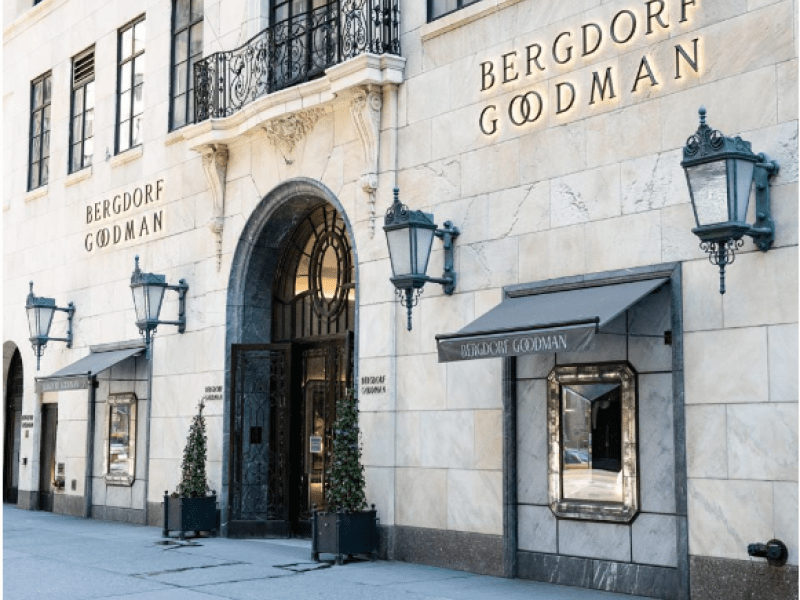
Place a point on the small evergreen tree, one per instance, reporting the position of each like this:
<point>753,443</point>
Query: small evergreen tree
<point>344,489</point>
<point>193,470</point>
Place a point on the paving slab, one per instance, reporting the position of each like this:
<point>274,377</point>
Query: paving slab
<point>48,555</point>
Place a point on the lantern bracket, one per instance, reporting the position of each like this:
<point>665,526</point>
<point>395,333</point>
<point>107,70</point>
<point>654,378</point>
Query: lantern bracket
<point>763,230</point>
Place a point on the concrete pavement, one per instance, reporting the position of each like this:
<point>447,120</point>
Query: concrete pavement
<point>53,556</point>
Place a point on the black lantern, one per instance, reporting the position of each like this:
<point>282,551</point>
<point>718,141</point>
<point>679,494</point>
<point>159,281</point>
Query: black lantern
<point>409,234</point>
<point>148,294</point>
<point>40,316</point>
<point>720,172</point>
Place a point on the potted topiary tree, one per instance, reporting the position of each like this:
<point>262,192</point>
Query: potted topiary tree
<point>345,528</point>
<point>192,507</point>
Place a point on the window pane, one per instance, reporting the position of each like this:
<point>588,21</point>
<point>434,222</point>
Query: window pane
<point>88,130</point>
<point>37,94</point>
<point>191,106</point>
<point>88,150</point>
<point>125,106</point>
<point>119,440</point>
<point>77,128</point>
<point>47,88</point>
<point>138,37</point>
<point>89,87</point>
<point>46,144</point>
<point>197,9</point>
<point>77,101</point>
<point>440,7</point>
<point>192,62</point>
<point>124,135</point>
<point>46,118</point>
<point>137,131</point>
<point>197,39</point>
<point>126,43</point>
<point>34,182</point>
<point>181,46</point>
<point>179,79</point>
<point>125,77</point>
<point>36,126</point>
<point>75,162</point>
<point>182,13</point>
<point>179,111</point>
<point>138,103</point>
<point>36,148</point>
<point>43,171</point>
<point>138,70</point>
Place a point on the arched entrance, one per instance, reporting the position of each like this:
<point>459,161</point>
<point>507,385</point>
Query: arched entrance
<point>13,428</point>
<point>291,356</point>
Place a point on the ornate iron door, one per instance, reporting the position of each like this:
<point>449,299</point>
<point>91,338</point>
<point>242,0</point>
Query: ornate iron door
<point>260,436</point>
<point>13,432</point>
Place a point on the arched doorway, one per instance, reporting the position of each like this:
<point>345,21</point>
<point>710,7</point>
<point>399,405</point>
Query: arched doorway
<point>291,356</point>
<point>13,428</point>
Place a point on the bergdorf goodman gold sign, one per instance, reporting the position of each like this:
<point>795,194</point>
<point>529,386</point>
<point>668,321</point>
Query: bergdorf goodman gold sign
<point>536,59</point>
<point>118,219</point>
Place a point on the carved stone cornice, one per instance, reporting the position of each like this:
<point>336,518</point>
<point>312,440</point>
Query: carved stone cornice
<point>286,132</point>
<point>365,108</point>
<point>215,165</point>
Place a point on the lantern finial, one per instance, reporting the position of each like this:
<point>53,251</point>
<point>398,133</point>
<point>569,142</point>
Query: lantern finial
<point>702,113</point>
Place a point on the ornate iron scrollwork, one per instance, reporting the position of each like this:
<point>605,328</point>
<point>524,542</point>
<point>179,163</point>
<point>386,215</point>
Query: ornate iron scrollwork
<point>292,51</point>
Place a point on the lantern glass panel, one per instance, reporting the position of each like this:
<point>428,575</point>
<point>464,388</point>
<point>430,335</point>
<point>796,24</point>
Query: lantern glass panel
<point>39,320</point>
<point>424,242</point>
<point>139,302</point>
<point>709,188</point>
<point>399,241</point>
<point>743,183</point>
<point>155,294</point>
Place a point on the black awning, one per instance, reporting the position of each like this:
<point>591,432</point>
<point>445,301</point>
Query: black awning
<point>563,321</point>
<point>77,375</point>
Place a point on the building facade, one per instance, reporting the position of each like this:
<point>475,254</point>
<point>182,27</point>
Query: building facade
<point>584,408</point>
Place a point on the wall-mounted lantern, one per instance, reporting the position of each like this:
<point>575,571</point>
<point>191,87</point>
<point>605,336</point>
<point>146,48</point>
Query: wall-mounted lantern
<point>720,172</point>
<point>409,234</point>
<point>40,316</point>
<point>148,293</point>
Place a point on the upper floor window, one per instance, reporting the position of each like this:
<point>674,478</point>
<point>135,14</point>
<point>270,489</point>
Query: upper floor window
<point>187,47</point>
<point>130,84</point>
<point>38,160</point>
<point>440,8</point>
<point>82,112</point>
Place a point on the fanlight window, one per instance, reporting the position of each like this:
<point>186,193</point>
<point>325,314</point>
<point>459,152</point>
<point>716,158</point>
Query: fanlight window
<point>314,283</point>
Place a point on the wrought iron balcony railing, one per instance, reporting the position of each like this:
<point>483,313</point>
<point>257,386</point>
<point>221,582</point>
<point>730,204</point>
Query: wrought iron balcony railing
<point>293,51</point>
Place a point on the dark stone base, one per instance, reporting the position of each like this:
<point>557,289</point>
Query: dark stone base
<point>155,514</point>
<point>258,529</point>
<point>473,552</point>
<point>624,578</point>
<point>64,504</point>
<point>123,515</point>
<point>27,500</point>
<point>712,578</point>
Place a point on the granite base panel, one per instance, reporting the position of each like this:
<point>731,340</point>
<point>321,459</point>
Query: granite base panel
<point>122,515</point>
<point>712,578</point>
<point>64,504</point>
<point>609,576</point>
<point>473,552</point>
<point>27,500</point>
<point>155,514</point>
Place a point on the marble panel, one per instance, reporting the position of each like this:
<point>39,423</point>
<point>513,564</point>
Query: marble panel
<point>408,439</point>
<point>535,366</point>
<point>421,497</point>
<point>98,491</point>
<point>488,439</point>
<point>137,494</point>
<point>702,302</point>
<point>726,516</point>
<point>492,168</point>
<point>434,83</point>
<point>553,152</point>
<point>377,330</point>
<point>441,314</point>
<point>706,441</point>
<point>785,517</point>
<point>783,201</point>
<point>586,196</point>
<point>678,243</point>
<point>475,501</point>
<point>629,241</point>
<point>656,444</point>
<point>779,143</point>
<point>426,389</point>
<point>654,539</point>
<point>440,180</point>
<point>457,132</point>
<point>379,490</point>
<point>653,181</point>
<point>787,90</point>
<point>414,145</point>
<point>623,134</point>
<point>485,300</point>
<point>118,495</point>
<point>377,438</point>
<point>536,529</point>
<point>532,449</point>
<point>783,363</point>
<point>376,401</point>
<point>762,441</point>
<point>475,384</point>
<point>594,540</point>
<point>649,353</point>
<point>742,377</point>
<point>449,439</point>
<point>553,253</point>
<point>488,265</point>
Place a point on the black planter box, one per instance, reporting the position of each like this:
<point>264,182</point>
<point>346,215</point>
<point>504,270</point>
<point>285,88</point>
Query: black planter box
<point>344,534</point>
<point>189,514</point>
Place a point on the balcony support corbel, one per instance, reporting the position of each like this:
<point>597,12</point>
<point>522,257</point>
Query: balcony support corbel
<point>215,165</point>
<point>365,108</point>
<point>284,133</point>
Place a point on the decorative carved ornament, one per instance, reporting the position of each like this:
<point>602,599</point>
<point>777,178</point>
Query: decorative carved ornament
<point>215,164</point>
<point>286,132</point>
<point>365,108</point>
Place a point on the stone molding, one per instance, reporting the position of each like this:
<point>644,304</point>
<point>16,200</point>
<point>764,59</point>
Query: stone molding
<point>365,108</point>
<point>215,165</point>
<point>284,133</point>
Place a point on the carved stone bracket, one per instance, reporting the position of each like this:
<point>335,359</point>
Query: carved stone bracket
<point>365,108</point>
<point>285,132</point>
<point>215,164</point>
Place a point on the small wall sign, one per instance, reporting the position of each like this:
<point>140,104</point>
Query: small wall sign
<point>315,444</point>
<point>27,421</point>
<point>373,384</point>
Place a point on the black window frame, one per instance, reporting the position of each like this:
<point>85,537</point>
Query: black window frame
<point>72,115</point>
<point>41,159</point>
<point>459,5</point>
<point>121,62</point>
<point>188,95</point>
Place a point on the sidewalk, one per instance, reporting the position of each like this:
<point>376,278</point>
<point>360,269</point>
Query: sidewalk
<point>53,556</point>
